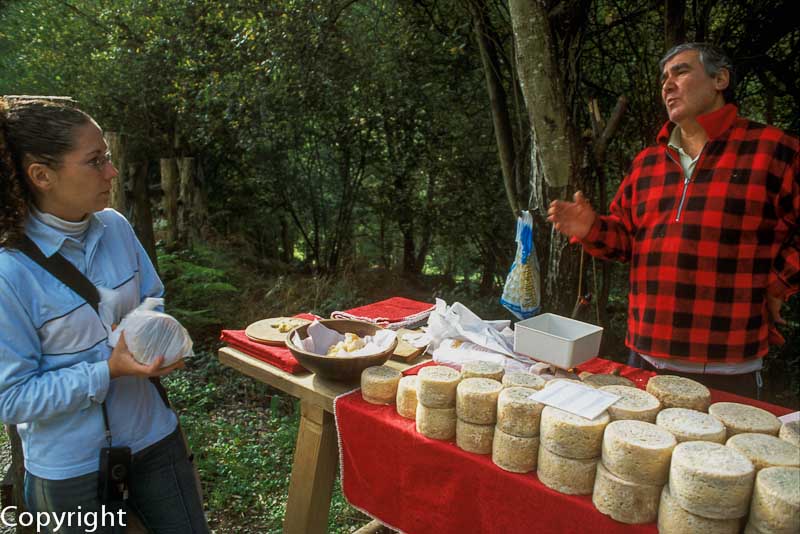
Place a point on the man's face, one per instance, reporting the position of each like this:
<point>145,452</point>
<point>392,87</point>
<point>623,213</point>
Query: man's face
<point>686,89</point>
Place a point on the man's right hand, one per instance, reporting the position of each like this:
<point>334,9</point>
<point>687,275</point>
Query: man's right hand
<point>122,363</point>
<point>573,219</point>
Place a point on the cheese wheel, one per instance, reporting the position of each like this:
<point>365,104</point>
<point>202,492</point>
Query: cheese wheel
<point>379,384</point>
<point>790,432</point>
<point>634,403</point>
<point>476,400</point>
<point>514,453</point>
<point>482,369</point>
<point>523,380</point>
<point>638,452</point>
<point>602,380</point>
<point>570,435</point>
<point>572,476</point>
<point>776,500</point>
<point>711,480</point>
<point>436,387</point>
<point>474,438</point>
<point>741,418</point>
<point>751,529</point>
<point>554,380</point>
<point>672,519</point>
<point>436,423</point>
<point>691,425</point>
<point>407,397</point>
<point>679,392</point>
<point>625,501</point>
<point>764,450</point>
<point>517,413</point>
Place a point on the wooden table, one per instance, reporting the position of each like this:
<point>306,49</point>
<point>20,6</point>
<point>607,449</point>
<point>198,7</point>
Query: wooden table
<point>316,454</point>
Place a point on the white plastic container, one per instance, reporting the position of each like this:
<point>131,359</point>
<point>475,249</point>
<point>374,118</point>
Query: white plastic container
<point>557,340</point>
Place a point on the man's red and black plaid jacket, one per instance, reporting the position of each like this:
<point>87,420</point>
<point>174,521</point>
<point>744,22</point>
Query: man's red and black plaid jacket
<point>705,252</point>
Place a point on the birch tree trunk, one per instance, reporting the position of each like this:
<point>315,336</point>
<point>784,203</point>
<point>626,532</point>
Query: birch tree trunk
<point>187,190</point>
<point>117,145</point>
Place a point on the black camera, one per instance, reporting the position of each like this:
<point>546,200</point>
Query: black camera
<point>115,469</point>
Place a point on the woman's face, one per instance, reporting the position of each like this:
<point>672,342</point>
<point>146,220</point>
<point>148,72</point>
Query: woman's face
<point>81,183</point>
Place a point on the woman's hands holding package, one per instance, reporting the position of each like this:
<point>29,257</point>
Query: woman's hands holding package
<point>122,363</point>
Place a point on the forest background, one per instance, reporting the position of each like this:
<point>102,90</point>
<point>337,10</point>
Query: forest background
<point>287,156</point>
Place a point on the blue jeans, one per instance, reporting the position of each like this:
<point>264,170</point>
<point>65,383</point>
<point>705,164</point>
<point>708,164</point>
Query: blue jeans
<point>163,492</point>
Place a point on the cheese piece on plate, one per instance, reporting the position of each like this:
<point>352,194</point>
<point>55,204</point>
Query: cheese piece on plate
<point>740,418</point>
<point>672,519</point>
<point>474,438</point>
<point>571,435</point>
<point>679,392</point>
<point>517,413</point>
<point>573,476</point>
<point>638,452</point>
<point>514,453</point>
<point>476,400</point>
<point>379,384</point>
<point>436,423</point>
<point>790,432</point>
<point>634,403</point>
<point>625,501</point>
<point>407,397</point>
<point>764,450</point>
<point>482,369</point>
<point>602,380</point>
<point>711,480</point>
<point>523,380</point>
<point>691,425</point>
<point>776,500</point>
<point>437,386</point>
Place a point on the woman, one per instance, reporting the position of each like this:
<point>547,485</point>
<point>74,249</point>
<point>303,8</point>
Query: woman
<point>57,373</point>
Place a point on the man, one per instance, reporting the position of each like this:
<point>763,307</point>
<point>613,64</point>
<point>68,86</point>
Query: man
<point>708,219</point>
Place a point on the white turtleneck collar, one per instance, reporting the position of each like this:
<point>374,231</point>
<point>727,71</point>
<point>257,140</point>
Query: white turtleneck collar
<point>75,230</point>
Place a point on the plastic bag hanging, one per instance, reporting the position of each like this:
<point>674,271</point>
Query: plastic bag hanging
<point>521,294</point>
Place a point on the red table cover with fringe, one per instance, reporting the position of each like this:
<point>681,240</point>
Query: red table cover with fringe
<point>391,310</point>
<point>421,485</point>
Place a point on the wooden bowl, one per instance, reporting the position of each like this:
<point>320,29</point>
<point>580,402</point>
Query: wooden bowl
<point>340,368</point>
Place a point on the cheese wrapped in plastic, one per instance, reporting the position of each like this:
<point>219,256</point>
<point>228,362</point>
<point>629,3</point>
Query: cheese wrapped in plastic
<point>150,334</point>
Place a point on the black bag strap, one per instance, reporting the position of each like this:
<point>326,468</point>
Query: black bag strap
<point>58,266</point>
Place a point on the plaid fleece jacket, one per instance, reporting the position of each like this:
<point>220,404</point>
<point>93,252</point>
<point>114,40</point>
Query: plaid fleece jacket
<point>705,251</point>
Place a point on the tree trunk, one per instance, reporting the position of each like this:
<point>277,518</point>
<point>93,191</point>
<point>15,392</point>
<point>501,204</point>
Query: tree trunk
<point>142,214</point>
<point>674,23</point>
<point>117,145</point>
<point>187,190</point>
<point>170,186</point>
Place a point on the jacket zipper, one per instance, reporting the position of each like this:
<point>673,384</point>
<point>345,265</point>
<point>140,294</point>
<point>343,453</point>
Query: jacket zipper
<point>686,181</point>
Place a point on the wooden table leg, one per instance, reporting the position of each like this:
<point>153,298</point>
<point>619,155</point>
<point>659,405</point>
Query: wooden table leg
<point>314,470</point>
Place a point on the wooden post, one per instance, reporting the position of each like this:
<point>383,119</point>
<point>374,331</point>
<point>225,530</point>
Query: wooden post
<point>186,199</point>
<point>117,144</point>
<point>142,214</point>
<point>169,185</point>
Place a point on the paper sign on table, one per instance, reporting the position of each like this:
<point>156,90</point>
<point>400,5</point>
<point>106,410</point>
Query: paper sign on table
<point>575,398</point>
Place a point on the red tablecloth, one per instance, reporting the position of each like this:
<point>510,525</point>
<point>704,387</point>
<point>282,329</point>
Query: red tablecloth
<point>420,485</point>
<point>394,313</point>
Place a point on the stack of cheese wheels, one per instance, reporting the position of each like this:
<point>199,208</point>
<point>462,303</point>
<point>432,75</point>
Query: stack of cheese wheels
<point>679,392</point>
<point>633,403</point>
<point>602,380</point>
<point>569,450</point>
<point>776,501</point>
<point>482,369</point>
<point>407,397</point>
<point>741,418</point>
<point>522,379</point>
<point>436,401</point>
<point>764,450</point>
<point>516,436</point>
<point>691,425</point>
<point>790,432</point>
<point>711,480</point>
<point>634,466</point>
<point>476,412</point>
<point>379,384</point>
<point>672,519</point>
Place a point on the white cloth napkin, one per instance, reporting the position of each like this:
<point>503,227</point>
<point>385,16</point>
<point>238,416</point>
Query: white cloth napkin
<point>321,338</point>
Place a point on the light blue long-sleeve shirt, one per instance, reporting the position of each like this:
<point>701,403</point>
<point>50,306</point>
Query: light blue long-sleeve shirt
<point>54,354</point>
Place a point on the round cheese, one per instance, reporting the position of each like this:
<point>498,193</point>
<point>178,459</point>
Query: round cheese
<point>634,403</point>
<point>514,453</point>
<point>764,450</point>
<point>407,397</point>
<point>638,452</point>
<point>379,384</point>
<point>482,369</point>
<point>517,413</point>
<point>790,432</point>
<point>566,475</point>
<point>711,480</point>
<point>776,500</point>
<point>741,418</point>
<point>474,438</point>
<point>570,435</point>
<point>436,387</point>
<point>691,425</point>
<point>554,380</point>
<point>602,380</point>
<point>523,380</point>
<point>679,392</point>
<point>476,400</point>
<point>672,519</point>
<point>436,423</point>
<point>750,529</point>
<point>627,502</point>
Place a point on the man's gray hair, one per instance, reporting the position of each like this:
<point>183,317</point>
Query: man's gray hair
<point>712,58</point>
